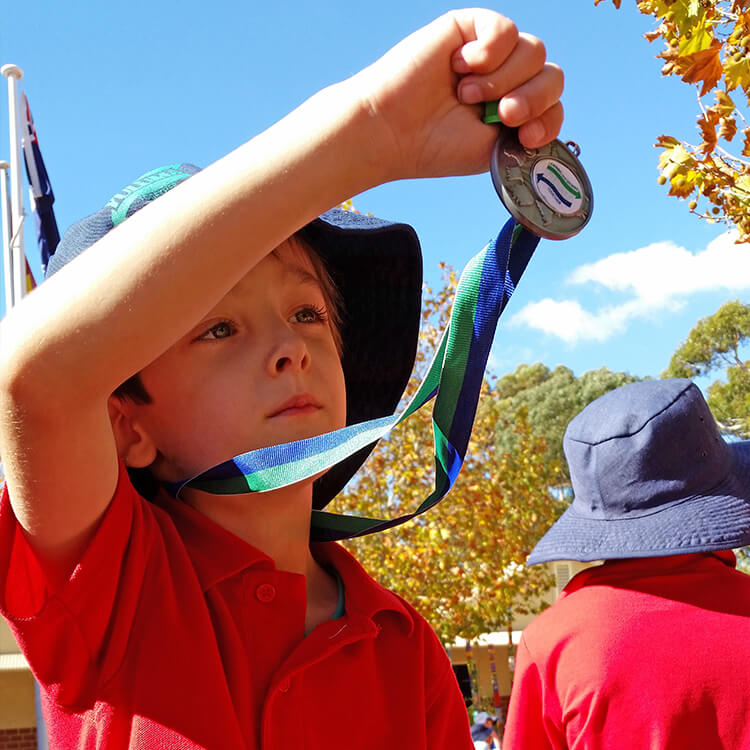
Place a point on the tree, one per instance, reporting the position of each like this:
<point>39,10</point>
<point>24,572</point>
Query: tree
<point>551,398</point>
<point>707,44</point>
<point>461,563</point>
<point>715,343</point>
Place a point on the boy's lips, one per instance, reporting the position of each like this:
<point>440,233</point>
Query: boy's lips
<point>302,404</point>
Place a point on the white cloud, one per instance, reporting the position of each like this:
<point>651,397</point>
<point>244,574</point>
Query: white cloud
<point>506,359</point>
<point>659,277</point>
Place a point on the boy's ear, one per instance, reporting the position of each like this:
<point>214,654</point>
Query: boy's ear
<point>134,445</point>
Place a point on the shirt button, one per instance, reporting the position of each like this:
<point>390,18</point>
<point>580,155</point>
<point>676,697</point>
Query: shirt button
<point>265,592</point>
<point>284,685</point>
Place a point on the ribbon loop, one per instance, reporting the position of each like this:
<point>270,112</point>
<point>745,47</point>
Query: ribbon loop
<point>454,377</point>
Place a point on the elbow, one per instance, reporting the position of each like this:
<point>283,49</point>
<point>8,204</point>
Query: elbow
<point>27,374</point>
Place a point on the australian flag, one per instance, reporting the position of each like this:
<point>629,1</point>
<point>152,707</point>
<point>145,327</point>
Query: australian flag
<point>40,190</point>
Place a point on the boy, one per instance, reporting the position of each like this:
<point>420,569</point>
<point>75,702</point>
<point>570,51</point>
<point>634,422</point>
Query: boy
<point>652,648</point>
<point>207,622</point>
<point>483,732</point>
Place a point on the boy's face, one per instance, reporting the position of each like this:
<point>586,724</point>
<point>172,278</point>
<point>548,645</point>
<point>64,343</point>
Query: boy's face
<point>262,368</point>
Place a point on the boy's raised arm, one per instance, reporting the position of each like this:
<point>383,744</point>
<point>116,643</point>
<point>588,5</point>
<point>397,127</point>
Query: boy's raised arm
<point>124,301</point>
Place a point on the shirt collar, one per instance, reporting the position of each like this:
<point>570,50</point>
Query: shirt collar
<point>362,593</point>
<point>216,553</point>
<point>640,566</point>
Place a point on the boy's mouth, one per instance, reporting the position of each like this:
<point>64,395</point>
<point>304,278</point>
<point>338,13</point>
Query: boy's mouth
<point>297,405</point>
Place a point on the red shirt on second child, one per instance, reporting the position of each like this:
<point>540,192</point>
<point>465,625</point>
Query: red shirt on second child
<point>647,653</point>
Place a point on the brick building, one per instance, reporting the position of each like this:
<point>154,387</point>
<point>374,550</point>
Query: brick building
<point>17,699</point>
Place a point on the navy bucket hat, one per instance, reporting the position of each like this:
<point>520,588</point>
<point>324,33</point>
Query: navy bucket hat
<point>651,476</point>
<point>376,266</point>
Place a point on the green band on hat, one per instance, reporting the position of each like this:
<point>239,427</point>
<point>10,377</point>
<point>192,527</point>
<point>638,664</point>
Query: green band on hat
<point>146,188</point>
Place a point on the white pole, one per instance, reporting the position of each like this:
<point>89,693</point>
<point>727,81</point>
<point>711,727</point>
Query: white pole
<point>5,210</point>
<point>18,259</point>
<point>42,739</point>
<point>14,74</point>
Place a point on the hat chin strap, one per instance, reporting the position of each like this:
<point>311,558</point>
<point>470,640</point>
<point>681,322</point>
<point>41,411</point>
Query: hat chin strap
<point>455,376</point>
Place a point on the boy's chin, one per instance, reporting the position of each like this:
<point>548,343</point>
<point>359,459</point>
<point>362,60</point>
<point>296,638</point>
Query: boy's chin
<point>171,472</point>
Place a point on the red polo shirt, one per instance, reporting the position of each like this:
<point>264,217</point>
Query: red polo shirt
<point>648,653</point>
<point>174,633</point>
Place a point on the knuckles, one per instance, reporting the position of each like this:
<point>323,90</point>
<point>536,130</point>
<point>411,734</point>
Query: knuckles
<point>534,50</point>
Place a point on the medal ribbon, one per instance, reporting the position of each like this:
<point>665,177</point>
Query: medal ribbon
<point>454,376</point>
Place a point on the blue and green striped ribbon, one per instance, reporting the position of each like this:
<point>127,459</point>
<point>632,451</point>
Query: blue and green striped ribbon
<point>454,376</point>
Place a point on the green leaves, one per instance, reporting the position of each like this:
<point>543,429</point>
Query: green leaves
<point>549,399</point>
<point>715,343</point>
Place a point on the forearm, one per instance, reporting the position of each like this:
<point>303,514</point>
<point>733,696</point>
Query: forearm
<point>146,283</point>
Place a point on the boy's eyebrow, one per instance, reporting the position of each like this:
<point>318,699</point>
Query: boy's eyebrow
<point>302,274</point>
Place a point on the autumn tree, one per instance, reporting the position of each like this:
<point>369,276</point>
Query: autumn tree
<point>714,344</point>
<point>707,44</point>
<point>461,563</point>
<point>550,399</point>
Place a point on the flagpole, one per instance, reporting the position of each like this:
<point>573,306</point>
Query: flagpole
<point>5,211</point>
<point>14,74</point>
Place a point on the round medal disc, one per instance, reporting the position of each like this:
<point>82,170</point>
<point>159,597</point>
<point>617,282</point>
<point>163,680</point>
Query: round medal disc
<point>545,189</point>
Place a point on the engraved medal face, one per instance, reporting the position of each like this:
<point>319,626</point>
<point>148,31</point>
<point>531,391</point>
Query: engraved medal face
<point>545,189</point>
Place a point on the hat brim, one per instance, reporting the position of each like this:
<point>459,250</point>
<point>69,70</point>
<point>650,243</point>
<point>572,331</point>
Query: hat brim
<point>701,523</point>
<point>377,268</point>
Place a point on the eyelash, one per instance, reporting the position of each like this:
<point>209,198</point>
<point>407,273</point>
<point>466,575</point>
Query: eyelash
<point>227,323</point>
<point>320,313</point>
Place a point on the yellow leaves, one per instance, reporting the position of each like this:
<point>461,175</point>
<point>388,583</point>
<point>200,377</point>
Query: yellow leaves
<point>718,115</point>
<point>707,127</point>
<point>741,189</point>
<point>452,561</point>
<point>728,128</point>
<point>707,43</point>
<point>737,73</point>
<point>724,106</point>
<point>674,157</point>
<point>698,43</point>
<point>703,66</point>
<point>724,180</point>
<point>679,166</point>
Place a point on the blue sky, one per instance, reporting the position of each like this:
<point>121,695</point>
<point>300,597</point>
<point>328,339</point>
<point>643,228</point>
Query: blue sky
<point>116,90</point>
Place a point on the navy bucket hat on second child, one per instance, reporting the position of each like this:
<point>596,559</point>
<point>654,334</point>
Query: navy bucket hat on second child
<point>376,266</point>
<point>651,476</point>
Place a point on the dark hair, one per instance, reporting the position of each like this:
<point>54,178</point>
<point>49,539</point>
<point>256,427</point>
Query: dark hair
<point>331,293</point>
<point>134,390</point>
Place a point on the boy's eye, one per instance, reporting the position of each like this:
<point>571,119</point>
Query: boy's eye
<point>311,314</point>
<point>221,330</point>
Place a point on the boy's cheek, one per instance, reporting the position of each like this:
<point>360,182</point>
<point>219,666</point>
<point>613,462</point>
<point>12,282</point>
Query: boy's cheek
<point>341,398</point>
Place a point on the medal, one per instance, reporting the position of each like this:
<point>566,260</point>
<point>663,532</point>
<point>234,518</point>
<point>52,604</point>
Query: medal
<point>545,189</point>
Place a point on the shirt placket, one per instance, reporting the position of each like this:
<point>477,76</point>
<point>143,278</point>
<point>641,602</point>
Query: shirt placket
<point>286,695</point>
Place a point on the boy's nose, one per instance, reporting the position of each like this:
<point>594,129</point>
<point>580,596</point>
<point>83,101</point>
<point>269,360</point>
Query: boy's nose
<point>290,354</point>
